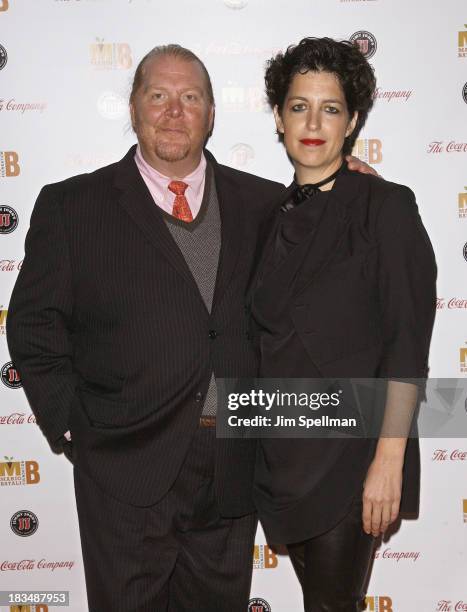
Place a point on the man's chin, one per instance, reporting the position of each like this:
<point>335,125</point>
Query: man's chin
<point>172,153</point>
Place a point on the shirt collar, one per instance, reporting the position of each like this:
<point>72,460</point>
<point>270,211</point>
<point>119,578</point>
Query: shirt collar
<point>194,180</point>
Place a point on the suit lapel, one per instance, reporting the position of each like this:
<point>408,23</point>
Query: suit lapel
<point>331,228</point>
<point>136,199</point>
<point>231,207</point>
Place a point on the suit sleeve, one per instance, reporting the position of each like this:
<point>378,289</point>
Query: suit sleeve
<point>407,286</point>
<point>39,318</point>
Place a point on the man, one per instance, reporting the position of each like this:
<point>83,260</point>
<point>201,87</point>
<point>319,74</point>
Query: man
<point>130,298</point>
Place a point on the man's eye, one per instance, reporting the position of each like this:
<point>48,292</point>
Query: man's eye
<point>191,97</point>
<point>156,96</point>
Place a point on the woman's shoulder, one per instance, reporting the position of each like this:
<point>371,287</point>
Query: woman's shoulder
<point>386,200</point>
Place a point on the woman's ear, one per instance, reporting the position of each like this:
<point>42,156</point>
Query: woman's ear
<point>352,124</point>
<point>278,118</point>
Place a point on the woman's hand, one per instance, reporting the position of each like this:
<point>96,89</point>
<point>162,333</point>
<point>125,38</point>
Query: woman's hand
<point>382,488</point>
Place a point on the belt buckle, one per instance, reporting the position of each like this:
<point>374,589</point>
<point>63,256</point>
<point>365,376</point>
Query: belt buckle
<point>207,421</point>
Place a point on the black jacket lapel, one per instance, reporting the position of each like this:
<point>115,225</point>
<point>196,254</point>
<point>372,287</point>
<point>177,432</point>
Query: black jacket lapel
<point>231,207</point>
<point>136,199</point>
<point>331,228</point>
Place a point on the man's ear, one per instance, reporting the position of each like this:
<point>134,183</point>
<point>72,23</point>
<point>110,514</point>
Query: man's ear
<point>352,124</point>
<point>132,116</point>
<point>212,114</point>
<point>278,119</point>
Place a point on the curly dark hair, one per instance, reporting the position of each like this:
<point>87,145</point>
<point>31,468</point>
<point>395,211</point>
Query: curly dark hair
<point>342,58</point>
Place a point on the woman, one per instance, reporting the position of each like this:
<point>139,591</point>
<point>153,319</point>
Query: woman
<point>345,287</point>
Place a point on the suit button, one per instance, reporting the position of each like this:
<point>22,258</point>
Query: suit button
<point>212,334</point>
<point>198,396</point>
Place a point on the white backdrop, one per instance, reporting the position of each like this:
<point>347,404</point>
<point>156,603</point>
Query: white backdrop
<point>65,73</point>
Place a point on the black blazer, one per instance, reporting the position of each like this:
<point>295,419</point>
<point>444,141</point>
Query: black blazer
<point>353,299</point>
<point>363,299</point>
<point>112,338</point>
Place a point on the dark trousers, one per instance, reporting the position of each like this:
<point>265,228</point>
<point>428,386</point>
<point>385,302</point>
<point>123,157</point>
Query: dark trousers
<point>176,556</point>
<point>333,567</point>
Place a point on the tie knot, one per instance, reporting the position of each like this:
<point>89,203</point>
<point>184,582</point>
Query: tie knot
<point>177,187</point>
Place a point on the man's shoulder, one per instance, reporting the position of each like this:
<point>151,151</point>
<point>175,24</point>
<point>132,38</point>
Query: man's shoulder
<point>81,183</point>
<point>259,191</point>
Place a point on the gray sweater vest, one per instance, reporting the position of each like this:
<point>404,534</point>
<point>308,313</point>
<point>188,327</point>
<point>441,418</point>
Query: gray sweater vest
<point>200,243</point>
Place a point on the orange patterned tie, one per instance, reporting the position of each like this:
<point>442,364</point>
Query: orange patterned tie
<point>181,209</point>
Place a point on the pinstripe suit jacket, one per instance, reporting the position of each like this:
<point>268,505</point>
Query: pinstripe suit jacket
<point>112,338</point>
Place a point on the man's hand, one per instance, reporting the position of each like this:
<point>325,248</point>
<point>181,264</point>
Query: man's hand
<point>357,165</point>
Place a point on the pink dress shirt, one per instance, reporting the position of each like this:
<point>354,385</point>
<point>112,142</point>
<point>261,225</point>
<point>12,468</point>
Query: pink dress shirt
<point>158,184</point>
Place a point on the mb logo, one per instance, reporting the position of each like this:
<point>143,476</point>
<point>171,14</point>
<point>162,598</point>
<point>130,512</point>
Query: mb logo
<point>369,150</point>
<point>9,164</point>
<point>264,557</point>
<point>462,200</point>
<point>19,472</point>
<point>378,603</point>
<point>111,56</point>
<point>38,608</point>
<point>463,359</point>
<point>462,42</point>
<point>3,5</point>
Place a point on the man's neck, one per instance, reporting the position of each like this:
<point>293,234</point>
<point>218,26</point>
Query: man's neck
<point>174,170</point>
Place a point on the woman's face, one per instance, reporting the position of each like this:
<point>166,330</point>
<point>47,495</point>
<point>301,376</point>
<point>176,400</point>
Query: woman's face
<point>314,121</point>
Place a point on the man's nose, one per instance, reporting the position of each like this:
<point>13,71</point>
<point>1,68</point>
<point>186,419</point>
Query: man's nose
<point>174,107</point>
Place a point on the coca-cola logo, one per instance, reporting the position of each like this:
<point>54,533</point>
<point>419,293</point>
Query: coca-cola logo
<point>397,555</point>
<point>13,105</point>
<point>32,564</point>
<point>442,454</point>
<point>17,418</point>
<point>392,94</point>
<point>8,219</point>
<point>24,523</point>
<point>439,146</point>
<point>10,376</point>
<point>451,303</point>
<point>10,265</point>
<point>447,605</point>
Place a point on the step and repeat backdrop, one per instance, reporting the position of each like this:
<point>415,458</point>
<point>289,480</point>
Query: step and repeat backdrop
<point>65,72</point>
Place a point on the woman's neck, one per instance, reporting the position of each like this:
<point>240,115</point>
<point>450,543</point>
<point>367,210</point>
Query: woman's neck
<point>311,176</point>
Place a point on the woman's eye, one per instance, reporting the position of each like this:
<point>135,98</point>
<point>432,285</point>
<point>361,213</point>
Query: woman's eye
<point>331,109</point>
<point>296,108</point>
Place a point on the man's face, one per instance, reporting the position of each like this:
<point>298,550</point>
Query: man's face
<point>172,115</point>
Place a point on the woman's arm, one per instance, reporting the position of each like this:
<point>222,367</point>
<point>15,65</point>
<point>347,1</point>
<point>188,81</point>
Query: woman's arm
<point>383,483</point>
<point>407,299</point>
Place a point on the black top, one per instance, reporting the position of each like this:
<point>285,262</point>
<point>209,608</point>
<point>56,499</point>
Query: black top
<point>345,287</point>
